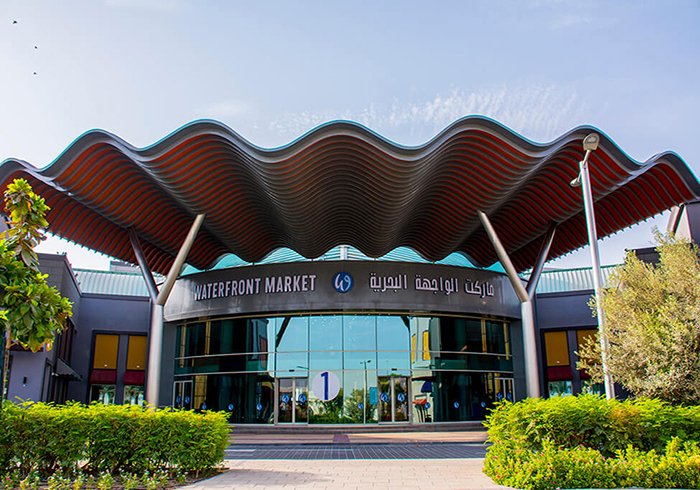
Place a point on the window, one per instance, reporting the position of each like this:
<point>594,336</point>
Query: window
<point>133,395</point>
<point>557,349</point>
<point>583,335</point>
<point>426,345</point>
<point>106,350</point>
<point>136,353</point>
<point>413,348</point>
<point>560,388</point>
<point>103,393</point>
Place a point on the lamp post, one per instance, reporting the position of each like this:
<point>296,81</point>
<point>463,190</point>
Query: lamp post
<point>364,392</point>
<point>590,144</point>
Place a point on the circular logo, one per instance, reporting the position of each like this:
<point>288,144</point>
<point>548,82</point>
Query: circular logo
<point>285,398</point>
<point>401,397</point>
<point>456,404</point>
<point>230,407</point>
<point>360,405</point>
<point>258,407</point>
<point>342,282</point>
<point>187,400</point>
<point>302,398</point>
<point>427,405</point>
<point>384,397</point>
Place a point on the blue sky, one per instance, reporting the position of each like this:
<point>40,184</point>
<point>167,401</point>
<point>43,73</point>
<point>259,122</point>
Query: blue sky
<point>273,70</point>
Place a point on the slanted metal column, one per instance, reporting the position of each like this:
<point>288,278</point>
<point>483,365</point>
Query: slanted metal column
<point>532,378</point>
<point>143,265</point>
<point>541,259</point>
<point>158,299</point>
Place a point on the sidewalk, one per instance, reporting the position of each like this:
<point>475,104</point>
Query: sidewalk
<point>309,473</point>
<point>447,474</point>
<point>359,437</point>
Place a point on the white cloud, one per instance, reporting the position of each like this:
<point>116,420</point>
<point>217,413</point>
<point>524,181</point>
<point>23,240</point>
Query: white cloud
<point>226,108</point>
<point>537,112</point>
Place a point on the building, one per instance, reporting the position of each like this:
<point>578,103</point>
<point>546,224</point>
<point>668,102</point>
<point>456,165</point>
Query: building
<point>339,279</point>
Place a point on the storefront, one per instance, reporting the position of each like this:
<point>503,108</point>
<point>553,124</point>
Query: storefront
<point>344,342</point>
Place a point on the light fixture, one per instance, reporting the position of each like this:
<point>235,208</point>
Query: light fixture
<point>583,180</point>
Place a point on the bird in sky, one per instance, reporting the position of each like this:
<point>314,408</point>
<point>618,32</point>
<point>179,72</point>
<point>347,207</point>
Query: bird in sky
<point>14,21</point>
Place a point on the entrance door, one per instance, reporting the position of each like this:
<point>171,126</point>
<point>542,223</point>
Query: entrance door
<point>393,398</point>
<point>504,389</point>
<point>292,401</point>
<point>182,394</point>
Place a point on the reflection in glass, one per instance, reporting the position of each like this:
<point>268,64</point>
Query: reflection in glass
<point>454,370</point>
<point>326,343</point>
<point>133,395</point>
<point>103,393</point>
<point>393,345</point>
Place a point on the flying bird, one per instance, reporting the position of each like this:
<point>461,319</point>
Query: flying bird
<point>14,21</point>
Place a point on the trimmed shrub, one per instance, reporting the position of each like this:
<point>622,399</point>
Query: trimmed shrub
<point>586,441</point>
<point>47,438</point>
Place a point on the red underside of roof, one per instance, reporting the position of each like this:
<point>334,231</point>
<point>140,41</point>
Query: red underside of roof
<point>342,184</point>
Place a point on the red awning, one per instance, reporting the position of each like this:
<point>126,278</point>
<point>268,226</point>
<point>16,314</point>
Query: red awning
<point>103,376</point>
<point>134,377</point>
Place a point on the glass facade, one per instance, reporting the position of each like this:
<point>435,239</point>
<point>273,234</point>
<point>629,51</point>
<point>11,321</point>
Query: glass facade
<point>344,368</point>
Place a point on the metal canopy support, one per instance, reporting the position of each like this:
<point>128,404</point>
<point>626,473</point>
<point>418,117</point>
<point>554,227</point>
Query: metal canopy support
<point>143,265</point>
<point>179,260</point>
<point>158,299</point>
<point>532,378</point>
<point>541,259</point>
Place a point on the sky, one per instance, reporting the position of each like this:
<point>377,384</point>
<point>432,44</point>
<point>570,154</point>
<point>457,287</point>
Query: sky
<point>406,69</point>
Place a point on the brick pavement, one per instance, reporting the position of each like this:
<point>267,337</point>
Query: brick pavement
<point>343,460</point>
<point>447,474</point>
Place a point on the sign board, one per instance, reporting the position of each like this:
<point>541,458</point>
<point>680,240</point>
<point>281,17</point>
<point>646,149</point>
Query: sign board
<point>332,286</point>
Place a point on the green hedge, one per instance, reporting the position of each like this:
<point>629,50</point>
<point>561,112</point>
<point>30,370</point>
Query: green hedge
<point>588,442</point>
<point>48,439</point>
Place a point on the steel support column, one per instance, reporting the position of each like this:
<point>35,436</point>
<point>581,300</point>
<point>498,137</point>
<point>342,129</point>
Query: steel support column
<point>158,299</point>
<point>532,378</point>
<point>541,260</point>
<point>143,265</point>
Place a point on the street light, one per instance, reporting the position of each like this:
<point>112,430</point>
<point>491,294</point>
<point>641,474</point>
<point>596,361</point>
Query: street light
<point>590,144</point>
<point>364,392</point>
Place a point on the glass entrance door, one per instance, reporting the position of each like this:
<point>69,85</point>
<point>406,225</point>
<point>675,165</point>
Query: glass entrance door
<point>292,401</point>
<point>504,389</point>
<point>393,398</point>
<point>182,394</point>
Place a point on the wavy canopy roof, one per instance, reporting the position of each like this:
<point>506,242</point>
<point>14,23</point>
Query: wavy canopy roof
<point>343,184</point>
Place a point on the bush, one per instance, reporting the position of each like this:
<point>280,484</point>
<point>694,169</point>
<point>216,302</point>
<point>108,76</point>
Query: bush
<point>586,441</point>
<point>47,438</point>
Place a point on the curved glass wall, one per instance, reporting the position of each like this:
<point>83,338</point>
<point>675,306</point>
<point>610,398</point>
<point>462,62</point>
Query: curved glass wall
<point>344,368</point>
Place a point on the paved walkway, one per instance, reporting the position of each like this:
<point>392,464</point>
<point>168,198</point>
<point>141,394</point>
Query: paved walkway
<point>359,438</point>
<point>406,474</point>
<point>400,460</point>
<point>448,450</point>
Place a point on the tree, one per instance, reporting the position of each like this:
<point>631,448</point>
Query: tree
<point>32,312</point>
<point>652,317</point>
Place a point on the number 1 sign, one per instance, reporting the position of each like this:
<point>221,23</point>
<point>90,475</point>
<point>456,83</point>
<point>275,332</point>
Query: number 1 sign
<point>325,386</point>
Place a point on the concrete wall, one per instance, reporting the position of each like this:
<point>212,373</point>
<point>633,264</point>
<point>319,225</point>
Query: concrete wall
<point>31,373</point>
<point>564,310</point>
<point>105,314</point>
